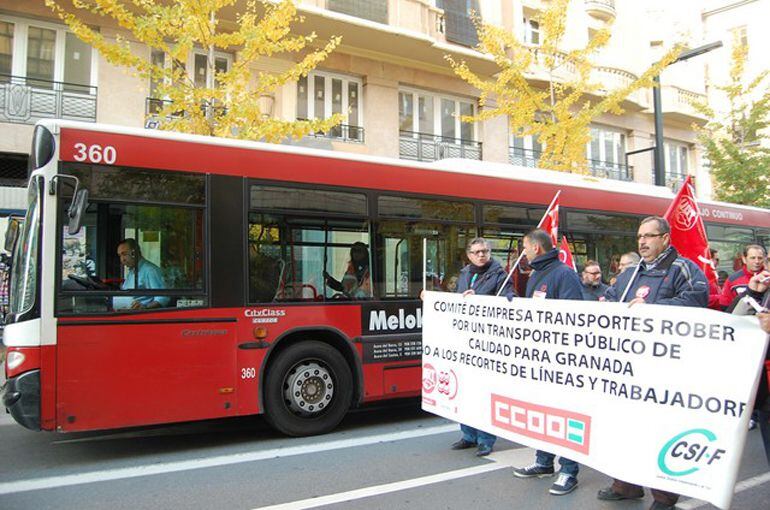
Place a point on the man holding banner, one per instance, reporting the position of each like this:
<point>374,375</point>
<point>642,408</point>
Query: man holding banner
<point>662,277</point>
<point>551,279</point>
<point>484,275</point>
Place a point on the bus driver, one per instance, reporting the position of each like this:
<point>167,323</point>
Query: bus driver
<point>140,274</point>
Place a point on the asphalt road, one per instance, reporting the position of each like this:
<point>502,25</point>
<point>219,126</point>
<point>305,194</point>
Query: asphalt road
<point>392,457</point>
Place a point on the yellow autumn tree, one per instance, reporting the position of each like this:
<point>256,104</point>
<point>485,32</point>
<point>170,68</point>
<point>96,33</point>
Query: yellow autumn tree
<point>557,115</point>
<point>230,106</point>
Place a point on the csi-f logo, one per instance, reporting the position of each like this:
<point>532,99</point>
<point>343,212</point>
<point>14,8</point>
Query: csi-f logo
<point>688,451</point>
<point>557,426</point>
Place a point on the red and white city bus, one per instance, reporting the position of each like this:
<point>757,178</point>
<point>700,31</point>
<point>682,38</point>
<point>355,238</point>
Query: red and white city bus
<point>220,304</point>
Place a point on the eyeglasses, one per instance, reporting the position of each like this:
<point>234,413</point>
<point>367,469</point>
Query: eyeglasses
<point>648,236</point>
<point>479,252</point>
<point>592,273</point>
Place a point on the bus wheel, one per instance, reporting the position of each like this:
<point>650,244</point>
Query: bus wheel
<point>308,389</point>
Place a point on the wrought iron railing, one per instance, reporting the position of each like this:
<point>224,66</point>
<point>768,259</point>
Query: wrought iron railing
<point>428,147</point>
<point>27,100</point>
<point>342,132</point>
<point>610,170</point>
<point>523,157</point>
<point>605,169</point>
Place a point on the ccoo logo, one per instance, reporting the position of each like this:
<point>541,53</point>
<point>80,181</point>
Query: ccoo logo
<point>689,451</point>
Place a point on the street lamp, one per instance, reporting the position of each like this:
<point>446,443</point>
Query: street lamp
<point>660,170</point>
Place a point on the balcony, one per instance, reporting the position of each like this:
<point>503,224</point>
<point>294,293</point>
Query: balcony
<point>342,133</point>
<point>610,170</point>
<point>523,157</point>
<point>601,9</point>
<point>27,100</point>
<point>428,147</point>
<point>153,106</point>
<point>605,169</point>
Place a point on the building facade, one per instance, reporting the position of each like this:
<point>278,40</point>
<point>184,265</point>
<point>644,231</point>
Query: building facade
<point>389,78</point>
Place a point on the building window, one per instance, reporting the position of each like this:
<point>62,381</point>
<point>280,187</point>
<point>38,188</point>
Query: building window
<point>524,151</point>
<point>531,32</point>
<point>435,115</point>
<point>44,53</point>
<point>676,155</point>
<point>321,95</point>
<point>6,49</point>
<point>606,153</point>
<point>47,72</point>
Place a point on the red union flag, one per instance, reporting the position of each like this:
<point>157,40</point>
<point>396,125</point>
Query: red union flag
<point>565,254</point>
<point>688,235</point>
<point>550,221</point>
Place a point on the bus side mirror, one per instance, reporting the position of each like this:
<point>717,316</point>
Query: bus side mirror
<point>76,211</point>
<point>12,233</point>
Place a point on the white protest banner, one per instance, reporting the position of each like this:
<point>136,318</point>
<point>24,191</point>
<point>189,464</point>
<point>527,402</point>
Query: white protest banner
<point>654,395</point>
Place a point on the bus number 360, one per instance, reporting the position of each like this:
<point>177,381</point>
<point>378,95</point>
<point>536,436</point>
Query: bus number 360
<point>248,373</point>
<point>95,153</point>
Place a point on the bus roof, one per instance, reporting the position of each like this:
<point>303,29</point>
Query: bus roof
<point>463,167</point>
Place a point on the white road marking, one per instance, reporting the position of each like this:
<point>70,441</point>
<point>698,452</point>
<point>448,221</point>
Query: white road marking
<point>222,460</point>
<point>503,460</point>
<point>692,504</point>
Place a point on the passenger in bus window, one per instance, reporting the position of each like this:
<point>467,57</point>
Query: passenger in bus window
<point>356,282</point>
<point>140,274</point>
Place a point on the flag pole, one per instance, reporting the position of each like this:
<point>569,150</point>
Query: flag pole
<point>521,255</point>
<point>631,281</point>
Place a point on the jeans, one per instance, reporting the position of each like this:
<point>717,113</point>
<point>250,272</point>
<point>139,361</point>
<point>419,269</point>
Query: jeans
<point>477,436</point>
<point>568,467</point>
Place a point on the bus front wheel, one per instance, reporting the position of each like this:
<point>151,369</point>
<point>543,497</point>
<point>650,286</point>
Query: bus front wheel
<point>308,389</point>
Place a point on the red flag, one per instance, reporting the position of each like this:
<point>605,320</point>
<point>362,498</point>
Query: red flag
<point>688,235</point>
<point>565,254</point>
<point>550,221</point>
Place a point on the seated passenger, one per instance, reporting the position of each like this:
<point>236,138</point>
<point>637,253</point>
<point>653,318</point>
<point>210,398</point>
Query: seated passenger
<point>140,274</point>
<point>356,282</point>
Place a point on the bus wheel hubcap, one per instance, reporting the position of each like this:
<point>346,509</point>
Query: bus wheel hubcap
<point>309,388</point>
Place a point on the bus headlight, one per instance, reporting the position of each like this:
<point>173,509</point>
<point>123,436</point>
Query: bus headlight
<point>14,359</point>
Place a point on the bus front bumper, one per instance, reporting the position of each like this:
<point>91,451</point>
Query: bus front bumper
<point>21,397</point>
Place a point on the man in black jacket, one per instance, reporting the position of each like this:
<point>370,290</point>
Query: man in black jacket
<point>551,279</point>
<point>484,276</point>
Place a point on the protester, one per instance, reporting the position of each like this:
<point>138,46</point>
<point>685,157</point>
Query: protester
<point>593,287</point>
<point>665,278</point>
<point>753,262</point>
<point>759,290</point>
<point>551,279</point>
<point>715,290</point>
<point>630,259</point>
<point>484,276</point>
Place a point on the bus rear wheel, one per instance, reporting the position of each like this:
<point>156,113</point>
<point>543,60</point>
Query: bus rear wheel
<point>308,389</point>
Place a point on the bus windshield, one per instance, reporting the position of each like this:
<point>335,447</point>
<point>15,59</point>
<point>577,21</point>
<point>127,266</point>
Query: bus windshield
<point>24,270</point>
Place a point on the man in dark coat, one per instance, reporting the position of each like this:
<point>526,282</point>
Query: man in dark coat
<point>591,279</point>
<point>484,276</point>
<point>551,279</point>
<point>662,277</point>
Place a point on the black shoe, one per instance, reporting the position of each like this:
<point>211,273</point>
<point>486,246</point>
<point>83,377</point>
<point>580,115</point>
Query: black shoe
<point>533,471</point>
<point>483,450</point>
<point>462,444</point>
<point>609,494</point>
